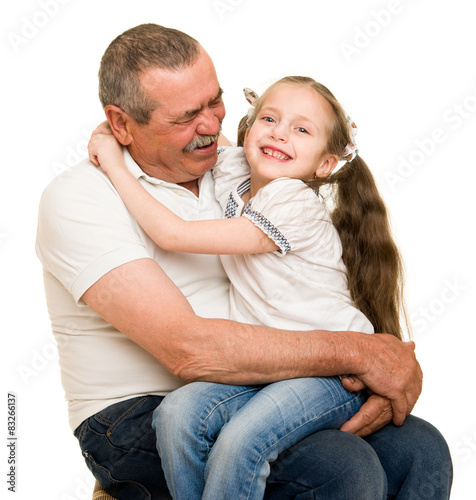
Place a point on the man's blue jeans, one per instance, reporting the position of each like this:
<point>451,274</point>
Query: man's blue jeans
<point>411,461</point>
<point>220,438</point>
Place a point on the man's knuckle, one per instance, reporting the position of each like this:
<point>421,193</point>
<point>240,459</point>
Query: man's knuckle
<point>367,419</point>
<point>387,410</point>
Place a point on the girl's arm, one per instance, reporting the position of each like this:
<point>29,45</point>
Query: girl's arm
<point>167,230</point>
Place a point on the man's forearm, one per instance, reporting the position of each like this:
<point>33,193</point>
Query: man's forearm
<point>233,353</point>
<point>246,354</point>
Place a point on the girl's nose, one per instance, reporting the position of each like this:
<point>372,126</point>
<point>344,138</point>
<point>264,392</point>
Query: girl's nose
<point>279,132</point>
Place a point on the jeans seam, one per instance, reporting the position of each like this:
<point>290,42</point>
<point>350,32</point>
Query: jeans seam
<point>347,403</point>
<point>230,398</point>
<point>215,407</point>
<point>113,424</point>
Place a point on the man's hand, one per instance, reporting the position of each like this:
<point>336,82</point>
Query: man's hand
<point>388,367</point>
<point>374,414</point>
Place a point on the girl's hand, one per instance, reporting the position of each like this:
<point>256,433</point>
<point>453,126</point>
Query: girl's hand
<point>104,150</point>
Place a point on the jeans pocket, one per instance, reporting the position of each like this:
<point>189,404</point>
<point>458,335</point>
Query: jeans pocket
<point>127,423</point>
<point>118,445</point>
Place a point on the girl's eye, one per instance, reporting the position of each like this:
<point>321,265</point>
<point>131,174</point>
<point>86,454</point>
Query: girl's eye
<point>303,130</point>
<point>268,119</point>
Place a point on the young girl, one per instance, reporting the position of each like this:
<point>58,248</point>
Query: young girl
<point>291,265</point>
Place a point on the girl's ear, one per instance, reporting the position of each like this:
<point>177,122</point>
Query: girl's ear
<point>119,122</point>
<point>327,166</point>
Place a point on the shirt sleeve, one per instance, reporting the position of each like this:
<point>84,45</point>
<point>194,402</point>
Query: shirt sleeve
<point>84,229</point>
<point>291,214</point>
<point>231,169</point>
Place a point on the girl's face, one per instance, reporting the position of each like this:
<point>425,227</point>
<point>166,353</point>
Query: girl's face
<point>289,136</point>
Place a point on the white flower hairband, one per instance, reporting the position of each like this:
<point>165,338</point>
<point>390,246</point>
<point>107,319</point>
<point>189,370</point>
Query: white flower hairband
<point>251,96</point>
<point>351,148</point>
<point>350,151</point>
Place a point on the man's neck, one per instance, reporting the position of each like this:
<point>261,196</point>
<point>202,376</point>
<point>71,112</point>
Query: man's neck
<point>192,186</point>
<point>157,173</point>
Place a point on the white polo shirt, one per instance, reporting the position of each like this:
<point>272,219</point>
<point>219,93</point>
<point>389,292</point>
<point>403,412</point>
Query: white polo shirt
<point>85,231</point>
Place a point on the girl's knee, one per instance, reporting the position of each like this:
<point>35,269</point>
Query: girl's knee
<point>237,441</point>
<point>188,407</point>
<point>175,411</point>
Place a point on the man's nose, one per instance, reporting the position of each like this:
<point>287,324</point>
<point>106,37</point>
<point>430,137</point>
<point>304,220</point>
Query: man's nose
<point>209,123</point>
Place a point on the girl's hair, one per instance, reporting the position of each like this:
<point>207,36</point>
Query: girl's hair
<point>374,265</point>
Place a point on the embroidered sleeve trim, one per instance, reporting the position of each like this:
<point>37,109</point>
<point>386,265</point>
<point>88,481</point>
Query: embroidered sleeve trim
<point>231,206</point>
<point>265,225</point>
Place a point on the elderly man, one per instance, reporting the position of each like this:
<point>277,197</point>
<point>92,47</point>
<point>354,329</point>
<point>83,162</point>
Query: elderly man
<point>134,322</point>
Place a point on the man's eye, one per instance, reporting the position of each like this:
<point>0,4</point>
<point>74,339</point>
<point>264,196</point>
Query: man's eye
<point>185,121</point>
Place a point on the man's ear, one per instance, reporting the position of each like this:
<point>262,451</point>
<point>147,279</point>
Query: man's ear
<point>119,121</point>
<point>327,166</point>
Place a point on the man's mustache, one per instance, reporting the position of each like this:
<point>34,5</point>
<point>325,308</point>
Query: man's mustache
<point>201,141</point>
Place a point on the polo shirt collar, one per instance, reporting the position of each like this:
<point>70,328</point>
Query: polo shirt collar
<point>138,173</point>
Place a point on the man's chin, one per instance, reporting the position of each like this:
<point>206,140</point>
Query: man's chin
<point>201,162</point>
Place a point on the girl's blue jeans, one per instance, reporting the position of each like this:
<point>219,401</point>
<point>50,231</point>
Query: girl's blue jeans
<point>217,441</point>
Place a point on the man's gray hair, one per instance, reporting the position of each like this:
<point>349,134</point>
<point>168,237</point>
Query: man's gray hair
<point>136,50</point>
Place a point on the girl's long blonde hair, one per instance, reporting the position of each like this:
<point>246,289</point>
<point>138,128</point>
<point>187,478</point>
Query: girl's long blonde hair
<point>373,262</point>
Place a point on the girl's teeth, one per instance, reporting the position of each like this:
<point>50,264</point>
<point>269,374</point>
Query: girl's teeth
<point>275,154</point>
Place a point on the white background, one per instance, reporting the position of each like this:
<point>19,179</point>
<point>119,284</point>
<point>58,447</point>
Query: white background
<point>404,70</point>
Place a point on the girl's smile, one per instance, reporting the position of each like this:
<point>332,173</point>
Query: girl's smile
<point>275,153</point>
